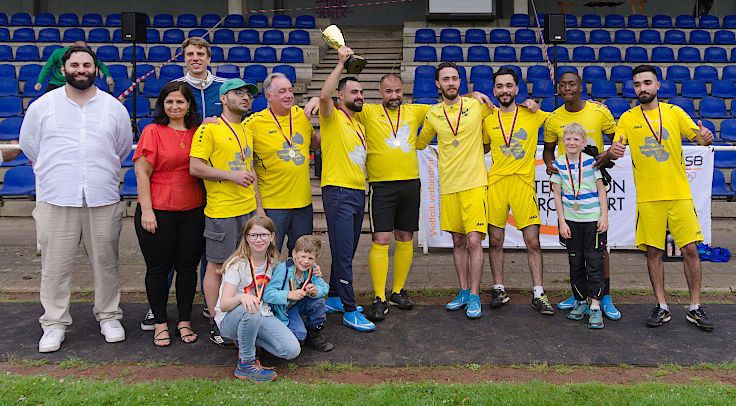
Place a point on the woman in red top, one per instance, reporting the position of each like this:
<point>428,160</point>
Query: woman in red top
<point>169,219</point>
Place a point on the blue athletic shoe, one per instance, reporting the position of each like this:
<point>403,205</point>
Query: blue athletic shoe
<point>460,301</point>
<point>609,309</point>
<point>357,321</point>
<point>333,304</point>
<point>254,372</point>
<point>567,304</point>
<point>472,310</point>
<point>579,312</point>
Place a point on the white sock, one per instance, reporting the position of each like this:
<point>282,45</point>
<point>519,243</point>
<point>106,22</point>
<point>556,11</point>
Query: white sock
<point>598,307</point>
<point>499,286</point>
<point>694,307</point>
<point>664,306</point>
<point>538,291</point>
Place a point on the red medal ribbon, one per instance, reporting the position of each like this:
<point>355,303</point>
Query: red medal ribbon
<point>306,280</point>
<point>259,294</point>
<point>291,127</point>
<point>507,141</point>
<point>459,114</point>
<point>242,151</point>
<point>658,138</point>
<point>391,123</point>
<point>356,128</point>
<point>580,174</point>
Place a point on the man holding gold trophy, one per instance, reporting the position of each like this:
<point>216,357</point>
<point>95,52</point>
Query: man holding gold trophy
<point>334,38</point>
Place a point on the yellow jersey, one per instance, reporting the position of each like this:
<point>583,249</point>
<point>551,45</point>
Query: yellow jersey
<point>281,157</point>
<point>391,140</point>
<point>228,148</point>
<point>513,145</point>
<point>659,167</point>
<point>596,119</point>
<point>343,150</point>
<point>460,142</point>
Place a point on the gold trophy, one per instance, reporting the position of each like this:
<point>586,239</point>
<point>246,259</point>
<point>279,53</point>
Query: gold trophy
<point>334,38</point>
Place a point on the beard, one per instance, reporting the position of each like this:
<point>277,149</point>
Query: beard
<point>507,103</point>
<point>646,99</point>
<point>83,83</point>
<point>449,96</point>
<point>354,107</point>
<point>393,103</point>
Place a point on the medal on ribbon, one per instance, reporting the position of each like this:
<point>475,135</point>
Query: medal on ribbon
<point>657,137</point>
<point>455,130</point>
<point>396,141</point>
<point>290,139</point>
<point>242,150</point>
<point>507,140</point>
<point>259,292</point>
<point>358,132</point>
<point>576,205</point>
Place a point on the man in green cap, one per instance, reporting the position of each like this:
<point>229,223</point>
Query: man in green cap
<point>53,67</point>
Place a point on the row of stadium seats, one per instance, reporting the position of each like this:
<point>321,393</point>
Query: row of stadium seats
<point>159,53</point>
<point>531,53</point>
<point>598,36</point>
<point>170,36</point>
<point>159,20</point>
<point>634,21</point>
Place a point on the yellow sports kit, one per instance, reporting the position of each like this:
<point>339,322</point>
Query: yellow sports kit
<point>343,150</point>
<point>596,119</point>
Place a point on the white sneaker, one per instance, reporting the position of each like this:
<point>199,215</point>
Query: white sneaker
<point>51,340</point>
<point>112,330</point>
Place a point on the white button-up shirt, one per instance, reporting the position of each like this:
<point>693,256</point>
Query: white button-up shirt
<point>76,151</point>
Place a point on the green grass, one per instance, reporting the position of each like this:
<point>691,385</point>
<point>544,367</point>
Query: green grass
<point>16,390</point>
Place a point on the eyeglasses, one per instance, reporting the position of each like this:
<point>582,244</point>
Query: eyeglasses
<point>258,236</point>
<point>241,92</point>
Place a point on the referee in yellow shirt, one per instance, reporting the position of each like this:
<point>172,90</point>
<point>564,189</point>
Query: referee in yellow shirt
<point>653,130</point>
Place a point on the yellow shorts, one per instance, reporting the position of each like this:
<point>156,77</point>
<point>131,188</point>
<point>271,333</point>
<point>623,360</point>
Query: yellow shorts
<point>511,192</point>
<point>653,218</point>
<point>463,212</point>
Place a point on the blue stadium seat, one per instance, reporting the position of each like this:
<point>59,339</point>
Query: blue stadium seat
<point>92,20</point>
<point>19,181</point>
<point>68,20</point>
<point>591,21</point>
<point>424,53</point>
<point>257,21</point>
<point>715,55</point>
<point>298,37</point>
<point>699,37</point>
<point>706,73</point>
<point>6,53</point>
<point>515,69</point>
<point>614,21</point>
<point>592,73</point>
<point>20,161</point>
<point>153,87</point>
<point>536,73</point>
<point>499,36</point>
<point>525,36</point>
<point>504,53</point>
<point>523,91</point>
<point>520,20</point>
<point>127,55</point>
<point>11,106</point>
<point>159,53</point>
<point>173,36</point>
<point>25,35</point>
<point>424,88</point>
<point>4,34</point>
<point>477,73</point>
<point>102,85</point>
<point>724,37</point>
<point>718,187</point>
<point>667,89</point>
<point>451,53</point>
<point>729,73</point>
<point>128,162</point>
<point>7,71</point>
<point>478,53</point>
<point>685,21</point>
<point>292,55</point>
<point>43,20</point>
<point>272,37</point>
<point>576,37</point>
<point>171,72</point>
<point>723,88</point>
<point>234,21</point>
<point>21,19</point>
<point>163,20</point>
<point>609,54</point>
<point>29,72</point>
<point>117,36</point>
<point>425,36</point>
<point>209,20</point>
<point>636,54</point>
<point>543,88</point>
<point>571,21</point>
<point>142,123</point>
<point>566,68</point>
<point>475,36</point>
<point>663,55</point>
<point>254,73</point>
<point>249,36</point>
<point>142,106</point>
<point>238,54</point>
<point>153,36</point>
<point>678,73</point>
<point>113,20</point>
<point>99,35</point>
<point>675,37</point>
<point>650,37</point>
<point>562,54</point>
<point>583,54</point>
<point>51,34</point>
<point>528,53</point>
<point>9,87</point>
<point>228,71</point>
<point>305,21</point>
<point>224,36</point>
<point>288,71</point>
<point>538,20</point>
<point>130,184</point>
<point>733,54</point>
<point>3,19</point>
<point>600,37</point>
<point>198,32</point>
<point>627,90</point>
<point>603,89</point>
<point>48,50</point>
<point>729,21</point>
<point>728,133</point>
<point>709,21</point>
<point>688,54</point>
<point>712,107</point>
<point>217,54</point>
<point>143,68</point>
<point>118,71</point>
<point>281,21</point>
<point>10,128</point>
<point>723,159</point>
<point>484,86</point>
<point>638,21</point>
<point>624,37</point>
<point>450,36</point>
<point>26,53</point>
<point>617,106</point>
<point>259,104</point>
<point>661,21</point>
<point>186,21</point>
<point>426,72</point>
<point>72,35</point>
<point>548,104</point>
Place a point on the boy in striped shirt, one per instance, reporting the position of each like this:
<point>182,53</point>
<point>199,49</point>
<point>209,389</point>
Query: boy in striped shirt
<point>583,222</point>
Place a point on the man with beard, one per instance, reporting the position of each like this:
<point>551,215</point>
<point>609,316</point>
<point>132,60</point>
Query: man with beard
<point>597,120</point>
<point>653,130</point>
<point>343,186</point>
<point>463,182</point>
<point>511,136</point>
<point>282,137</point>
<point>78,137</point>
<point>53,68</point>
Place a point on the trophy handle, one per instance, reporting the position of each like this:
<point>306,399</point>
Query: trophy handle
<point>355,64</point>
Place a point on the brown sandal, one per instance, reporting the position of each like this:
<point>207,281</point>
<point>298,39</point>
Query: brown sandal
<point>185,336</point>
<point>157,340</point>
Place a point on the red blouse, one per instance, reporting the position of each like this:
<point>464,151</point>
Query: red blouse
<point>172,187</point>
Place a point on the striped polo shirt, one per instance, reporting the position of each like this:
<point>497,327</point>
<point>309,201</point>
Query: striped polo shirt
<point>587,199</point>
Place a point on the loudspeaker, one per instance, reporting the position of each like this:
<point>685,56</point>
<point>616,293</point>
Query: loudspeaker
<point>133,27</point>
<point>554,29</point>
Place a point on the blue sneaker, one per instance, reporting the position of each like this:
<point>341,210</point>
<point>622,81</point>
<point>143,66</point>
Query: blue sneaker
<point>460,301</point>
<point>567,304</point>
<point>357,321</point>
<point>472,310</point>
<point>596,319</point>
<point>579,312</point>
<point>254,372</point>
<point>609,309</point>
<point>333,304</point>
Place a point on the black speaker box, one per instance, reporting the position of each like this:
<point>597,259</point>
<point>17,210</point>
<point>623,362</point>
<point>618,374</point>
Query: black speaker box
<point>554,29</point>
<point>133,27</point>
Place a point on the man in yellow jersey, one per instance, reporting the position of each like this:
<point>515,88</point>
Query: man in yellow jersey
<point>222,155</point>
<point>653,130</point>
<point>510,134</point>
<point>457,123</point>
<point>343,186</point>
<point>597,121</point>
<point>282,137</point>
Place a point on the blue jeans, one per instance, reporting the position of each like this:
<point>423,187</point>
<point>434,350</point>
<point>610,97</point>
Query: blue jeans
<point>267,332</point>
<point>313,309</point>
<point>293,223</point>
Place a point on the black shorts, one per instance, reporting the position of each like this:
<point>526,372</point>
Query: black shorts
<point>394,205</point>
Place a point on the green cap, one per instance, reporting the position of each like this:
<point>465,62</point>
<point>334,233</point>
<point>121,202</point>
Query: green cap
<point>233,84</point>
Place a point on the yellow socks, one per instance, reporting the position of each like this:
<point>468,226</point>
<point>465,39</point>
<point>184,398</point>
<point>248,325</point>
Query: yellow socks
<point>378,265</point>
<point>402,262</point>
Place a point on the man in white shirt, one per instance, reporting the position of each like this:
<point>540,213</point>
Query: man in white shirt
<point>77,137</point>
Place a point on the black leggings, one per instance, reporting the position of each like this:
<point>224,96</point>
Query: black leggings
<point>177,242</point>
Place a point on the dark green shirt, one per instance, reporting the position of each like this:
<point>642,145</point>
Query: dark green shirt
<point>54,64</point>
